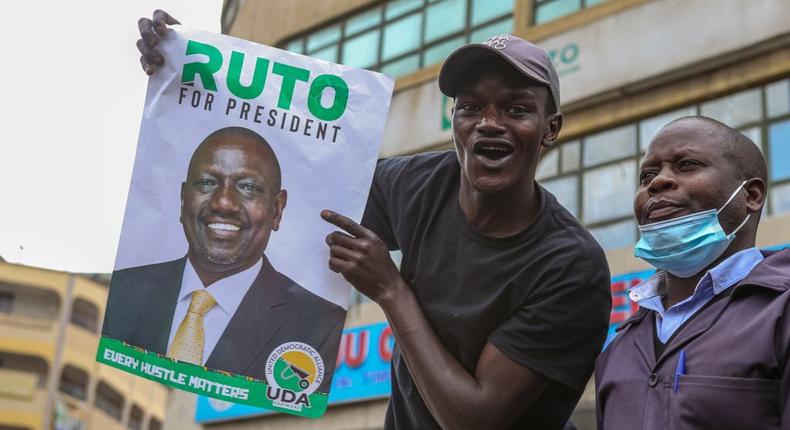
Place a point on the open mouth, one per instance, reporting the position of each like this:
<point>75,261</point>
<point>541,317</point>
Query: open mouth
<point>493,150</point>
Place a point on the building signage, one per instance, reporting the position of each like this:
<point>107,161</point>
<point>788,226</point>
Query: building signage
<point>617,51</point>
<point>566,59</point>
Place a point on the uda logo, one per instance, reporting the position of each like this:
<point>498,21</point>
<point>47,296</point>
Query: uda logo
<point>294,370</point>
<point>498,42</point>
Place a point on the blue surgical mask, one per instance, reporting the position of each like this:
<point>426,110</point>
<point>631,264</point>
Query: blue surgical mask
<point>685,245</point>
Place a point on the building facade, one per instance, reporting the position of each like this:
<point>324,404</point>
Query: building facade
<point>627,67</point>
<point>49,378</point>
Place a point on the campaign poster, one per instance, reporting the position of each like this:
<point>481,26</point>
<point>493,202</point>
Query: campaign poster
<point>221,283</point>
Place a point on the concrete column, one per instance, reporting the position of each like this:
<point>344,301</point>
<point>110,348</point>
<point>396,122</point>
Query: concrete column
<point>127,405</point>
<point>55,369</point>
<point>90,399</point>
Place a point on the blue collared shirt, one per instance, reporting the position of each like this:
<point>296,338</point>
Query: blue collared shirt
<point>648,294</point>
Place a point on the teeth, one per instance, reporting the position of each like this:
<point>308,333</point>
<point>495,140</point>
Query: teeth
<point>222,226</point>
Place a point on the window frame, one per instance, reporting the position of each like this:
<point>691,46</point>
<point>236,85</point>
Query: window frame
<point>422,47</point>
<point>763,123</point>
<point>536,4</point>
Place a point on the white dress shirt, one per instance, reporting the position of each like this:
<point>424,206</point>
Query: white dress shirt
<point>227,292</point>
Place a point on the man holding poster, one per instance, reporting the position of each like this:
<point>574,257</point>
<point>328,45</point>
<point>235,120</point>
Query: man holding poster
<point>502,300</point>
<point>205,296</point>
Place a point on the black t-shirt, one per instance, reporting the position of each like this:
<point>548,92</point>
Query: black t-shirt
<point>541,296</point>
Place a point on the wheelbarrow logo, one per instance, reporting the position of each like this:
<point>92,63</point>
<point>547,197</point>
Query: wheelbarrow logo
<point>294,370</point>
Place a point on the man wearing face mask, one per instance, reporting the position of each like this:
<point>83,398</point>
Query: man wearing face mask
<point>709,347</point>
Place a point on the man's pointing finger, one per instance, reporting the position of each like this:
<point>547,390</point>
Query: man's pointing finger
<point>345,223</point>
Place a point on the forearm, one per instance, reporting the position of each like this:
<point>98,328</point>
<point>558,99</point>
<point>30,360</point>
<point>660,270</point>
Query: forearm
<point>453,395</point>
<point>491,397</point>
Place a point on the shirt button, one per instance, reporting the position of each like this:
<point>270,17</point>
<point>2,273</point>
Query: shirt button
<point>652,380</point>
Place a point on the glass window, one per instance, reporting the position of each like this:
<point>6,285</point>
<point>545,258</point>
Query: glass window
<point>328,54</point>
<point>609,191</point>
<point>296,46</point>
<point>402,36</point>
<point>400,7</point>
<point>74,382</point>
<point>323,37</point>
<point>486,10</point>
<point>780,198</point>
<point>650,126</point>
<point>360,51</point>
<point>444,18</point>
<point>363,21</point>
<point>617,235</point>
<point>604,165</point>
<point>550,10</point>
<point>570,156</point>
<point>135,418</point>
<point>402,67</point>
<point>548,165</point>
<point>438,53</point>
<point>779,150</point>
<point>755,135</point>
<point>610,145</point>
<point>737,109</point>
<point>777,97</point>
<point>6,302</point>
<point>108,400</point>
<point>495,29</point>
<point>566,190</point>
<point>85,314</point>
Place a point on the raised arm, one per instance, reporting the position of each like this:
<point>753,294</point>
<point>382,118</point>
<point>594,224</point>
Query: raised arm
<point>498,392</point>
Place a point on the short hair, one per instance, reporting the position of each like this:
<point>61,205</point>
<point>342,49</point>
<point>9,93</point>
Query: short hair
<point>741,151</point>
<point>245,133</point>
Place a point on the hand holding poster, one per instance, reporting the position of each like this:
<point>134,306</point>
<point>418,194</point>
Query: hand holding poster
<point>221,285</point>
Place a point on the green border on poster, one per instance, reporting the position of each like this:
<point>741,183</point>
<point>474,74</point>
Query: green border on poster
<point>201,380</point>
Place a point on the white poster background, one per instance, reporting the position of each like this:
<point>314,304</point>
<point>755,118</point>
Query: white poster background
<point>317,174</point>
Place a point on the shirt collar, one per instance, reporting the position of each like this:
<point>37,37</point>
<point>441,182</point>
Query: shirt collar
<point>734,268</point>
<point>227,292</point>
<point>723,276</point>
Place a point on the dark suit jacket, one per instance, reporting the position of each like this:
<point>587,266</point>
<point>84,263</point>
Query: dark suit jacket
<point>274,311</point>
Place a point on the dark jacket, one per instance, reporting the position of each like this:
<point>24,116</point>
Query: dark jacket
<point>737,363</point>
<point>274,311</point>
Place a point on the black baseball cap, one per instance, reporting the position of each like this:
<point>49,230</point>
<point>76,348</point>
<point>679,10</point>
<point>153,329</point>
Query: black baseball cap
<point>529,59</point>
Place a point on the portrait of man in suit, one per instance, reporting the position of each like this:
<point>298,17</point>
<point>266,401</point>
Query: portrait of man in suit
<point>224,305</point>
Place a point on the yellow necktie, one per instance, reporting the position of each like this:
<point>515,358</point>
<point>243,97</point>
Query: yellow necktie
<point>189,339</point>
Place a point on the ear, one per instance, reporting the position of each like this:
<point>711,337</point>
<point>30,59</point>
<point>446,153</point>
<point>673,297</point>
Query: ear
<point>755,195</point>
<point>553,130</point>
<point>279,207</point>
<point>181,215</point>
